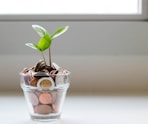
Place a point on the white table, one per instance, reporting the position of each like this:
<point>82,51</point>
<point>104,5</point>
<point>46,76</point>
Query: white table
<point>81,109</point>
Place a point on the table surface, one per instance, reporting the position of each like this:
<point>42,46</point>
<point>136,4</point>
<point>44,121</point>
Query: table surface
<point>82,109</point>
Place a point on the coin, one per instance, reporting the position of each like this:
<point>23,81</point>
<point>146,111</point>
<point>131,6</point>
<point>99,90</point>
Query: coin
<point>55,107</point>
<point>43,109</point>
<point>33,81</point>
<point>45,83</point>
<point>54,95</point>
<point>45,98</point>
<point>40,74</point>
<point>40,66</point>
<point>33,99</point>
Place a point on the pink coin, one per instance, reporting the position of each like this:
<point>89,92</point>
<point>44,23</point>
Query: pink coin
<point>33,99</point>
<point>54,96</point>
<point>43,109</point>
<point>55,107</point>
<point>45,98</point>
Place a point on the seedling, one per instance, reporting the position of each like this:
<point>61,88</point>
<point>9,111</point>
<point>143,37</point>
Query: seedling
<point>45,40</point>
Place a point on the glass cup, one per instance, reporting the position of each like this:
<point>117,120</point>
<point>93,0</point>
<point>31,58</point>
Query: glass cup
<point>45,100</point>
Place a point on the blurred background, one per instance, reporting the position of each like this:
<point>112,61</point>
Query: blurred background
<point>106,53</point>
<point>102,56</point>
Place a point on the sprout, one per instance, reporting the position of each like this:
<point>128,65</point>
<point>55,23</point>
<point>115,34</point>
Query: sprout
<point>45,40</point>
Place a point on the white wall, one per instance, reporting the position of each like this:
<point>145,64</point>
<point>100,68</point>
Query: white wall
<point>102,56</point>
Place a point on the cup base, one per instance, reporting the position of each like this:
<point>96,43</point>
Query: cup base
<point>42,118</point>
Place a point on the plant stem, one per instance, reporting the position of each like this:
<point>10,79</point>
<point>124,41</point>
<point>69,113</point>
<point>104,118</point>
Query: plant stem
<point>43,57</point>
<point>49,57</point>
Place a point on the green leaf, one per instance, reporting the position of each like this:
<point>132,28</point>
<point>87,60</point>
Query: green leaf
<point>31,45</point>
<point>44,43</point>
<point>40,30</point>
<point>59,32</point>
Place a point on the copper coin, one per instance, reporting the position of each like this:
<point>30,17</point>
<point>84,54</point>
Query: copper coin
<point>33,99</point>
<point>54,96</point>
<point>45,98</point>
<point>55,107</point>
<point>33,81</point>
<point>43,109</point>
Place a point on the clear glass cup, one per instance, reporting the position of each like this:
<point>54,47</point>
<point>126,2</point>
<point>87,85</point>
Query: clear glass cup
<point>45,104</point>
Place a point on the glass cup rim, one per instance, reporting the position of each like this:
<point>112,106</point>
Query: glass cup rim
<point>67,73</point>
<point>28,87</point>
<point>63,86</point>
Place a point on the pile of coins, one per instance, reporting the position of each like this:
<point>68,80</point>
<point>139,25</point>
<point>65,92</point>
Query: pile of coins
<point>43,96</point>
<point>44,77</point>
<point>45,102</point>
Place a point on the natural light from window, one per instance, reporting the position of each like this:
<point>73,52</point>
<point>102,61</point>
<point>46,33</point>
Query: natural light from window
<point>70,7</point>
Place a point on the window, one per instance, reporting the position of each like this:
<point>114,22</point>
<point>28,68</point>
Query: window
<point>71,7</point>
<point>76,9</point>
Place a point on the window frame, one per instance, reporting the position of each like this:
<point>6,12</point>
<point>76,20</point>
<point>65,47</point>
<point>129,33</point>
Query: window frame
<point>79,17</point>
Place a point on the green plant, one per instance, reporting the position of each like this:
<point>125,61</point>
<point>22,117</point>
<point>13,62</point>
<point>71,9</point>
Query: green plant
<point>45,40</point>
